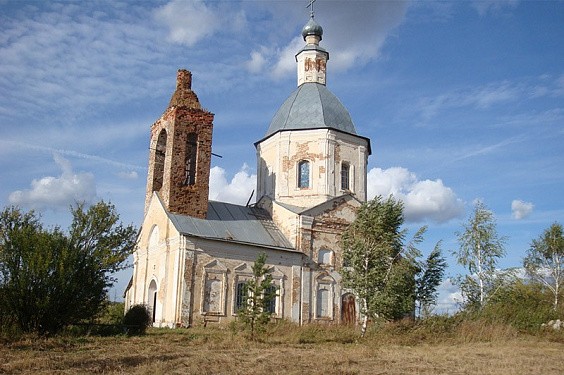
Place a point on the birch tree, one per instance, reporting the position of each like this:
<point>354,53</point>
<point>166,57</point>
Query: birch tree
<point>377,268</point>
<point>545,261</point>
<point>480,248</point>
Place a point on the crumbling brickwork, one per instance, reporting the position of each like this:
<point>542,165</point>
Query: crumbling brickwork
<point>183,189</point>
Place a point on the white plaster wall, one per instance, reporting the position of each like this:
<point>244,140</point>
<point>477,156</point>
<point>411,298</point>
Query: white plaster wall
<point>159,263</point>
<point>325,149</point>
<point>229,256</point>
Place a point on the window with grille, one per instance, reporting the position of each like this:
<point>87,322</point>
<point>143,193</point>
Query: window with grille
<point>271,306</point>
<point>240,295</point>
<point>345,176</point>
<point>303,174</point>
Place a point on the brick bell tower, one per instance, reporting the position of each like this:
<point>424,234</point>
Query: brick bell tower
<point>180,153</point>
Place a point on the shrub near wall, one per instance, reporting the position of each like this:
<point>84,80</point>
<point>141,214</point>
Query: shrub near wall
<point>137,320</point>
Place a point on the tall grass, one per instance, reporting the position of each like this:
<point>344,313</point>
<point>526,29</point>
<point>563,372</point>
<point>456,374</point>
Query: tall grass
<point>438,345</point>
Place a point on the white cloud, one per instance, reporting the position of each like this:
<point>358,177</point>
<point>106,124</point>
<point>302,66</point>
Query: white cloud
<point>378,18</point>
<point>257,62</point>
<point>188,21</point>
<point>493,6</point>
<point>521,210</point>
<point>24,146</point>
<point>448,299</point>
<point>286,62</point>
<point>423,200</point>
<point>67,59</point>
<point>481,97</point>
<point>237,191</point>
<point>57,192</point>
<point>131,175</point>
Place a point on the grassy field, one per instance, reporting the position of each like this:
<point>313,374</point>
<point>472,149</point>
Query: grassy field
<point>469,348</point>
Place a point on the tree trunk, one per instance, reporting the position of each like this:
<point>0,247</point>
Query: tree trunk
<point>364,325</point>
<point>364,318</point>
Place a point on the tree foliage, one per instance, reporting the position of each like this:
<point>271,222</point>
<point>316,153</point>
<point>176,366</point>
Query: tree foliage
<point>378,267</point>
<point>523,305</point>
<point>480,248</point>
<point>545,261</point>
<point>49,278</point>
<point>429,276</point>
<point>259,292</point>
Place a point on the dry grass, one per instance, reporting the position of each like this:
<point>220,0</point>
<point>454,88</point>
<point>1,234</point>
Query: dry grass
<point>467,348</point>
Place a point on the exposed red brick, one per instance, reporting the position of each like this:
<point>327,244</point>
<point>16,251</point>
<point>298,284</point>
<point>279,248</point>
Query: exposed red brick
<point>183,116</point>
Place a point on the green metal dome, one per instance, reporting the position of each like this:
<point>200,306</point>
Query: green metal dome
<point>312,28</point>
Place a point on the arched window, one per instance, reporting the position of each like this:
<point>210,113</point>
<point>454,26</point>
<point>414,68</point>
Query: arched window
<point>303,174</point>
<point>154,239</point>
<point>324,257</point>
<point>158,165</point>
<point>191,154</point>
<point>345,176</point>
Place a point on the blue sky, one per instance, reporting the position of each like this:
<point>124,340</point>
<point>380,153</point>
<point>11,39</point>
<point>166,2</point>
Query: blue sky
<point>461,100</point>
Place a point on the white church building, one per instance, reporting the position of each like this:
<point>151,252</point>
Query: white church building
<point>194,255</point>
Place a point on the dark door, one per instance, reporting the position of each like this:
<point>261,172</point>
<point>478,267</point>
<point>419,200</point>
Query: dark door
<point>348,309</point>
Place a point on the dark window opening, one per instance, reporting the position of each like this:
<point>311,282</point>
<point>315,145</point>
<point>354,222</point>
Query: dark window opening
<point>158,166</point>
<point>191,154</point>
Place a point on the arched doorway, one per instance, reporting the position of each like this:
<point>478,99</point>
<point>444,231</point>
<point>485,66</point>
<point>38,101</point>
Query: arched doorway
<point>152,299</point>
<point>348,309</point>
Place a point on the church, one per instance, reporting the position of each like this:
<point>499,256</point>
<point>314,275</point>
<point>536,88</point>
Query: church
<point>194,255</point>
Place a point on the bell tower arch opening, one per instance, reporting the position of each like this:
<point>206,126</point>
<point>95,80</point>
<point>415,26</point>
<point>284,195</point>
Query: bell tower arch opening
<point>159,161</point>
<point>191,159</point>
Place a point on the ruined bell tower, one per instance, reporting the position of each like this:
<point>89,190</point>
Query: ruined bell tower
<point>180,153</point>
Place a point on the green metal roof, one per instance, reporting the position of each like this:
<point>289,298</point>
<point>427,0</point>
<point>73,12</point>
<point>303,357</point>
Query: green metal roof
<point>312,106</point>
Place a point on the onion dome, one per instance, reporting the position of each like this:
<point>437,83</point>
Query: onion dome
<point>312,28</point>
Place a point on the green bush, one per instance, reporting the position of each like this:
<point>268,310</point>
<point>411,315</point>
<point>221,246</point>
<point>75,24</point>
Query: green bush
<point>112,314</point>
<point>137,319</point>
<point>524,306</point>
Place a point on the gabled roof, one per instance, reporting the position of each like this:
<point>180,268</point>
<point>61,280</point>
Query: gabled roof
<point>321,207</point>
<point>234,223</point>
<point>330,204</point>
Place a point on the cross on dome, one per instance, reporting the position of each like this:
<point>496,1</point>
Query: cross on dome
<point>310,5</point>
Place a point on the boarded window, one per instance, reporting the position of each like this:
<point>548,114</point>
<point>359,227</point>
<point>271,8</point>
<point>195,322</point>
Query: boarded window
<point>191,155</point>
<point>212,296</point>
<point>303,174</point>
<point>323,303</point>
<point>324,257</point>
